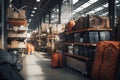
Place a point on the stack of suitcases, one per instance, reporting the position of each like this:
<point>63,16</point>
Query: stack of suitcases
<point>81,39</point>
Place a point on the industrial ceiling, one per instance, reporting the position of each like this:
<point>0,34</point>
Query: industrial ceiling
<point>80,7</point>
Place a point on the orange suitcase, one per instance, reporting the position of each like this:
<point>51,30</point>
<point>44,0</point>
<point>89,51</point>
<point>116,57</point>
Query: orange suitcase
<point>56,60</point>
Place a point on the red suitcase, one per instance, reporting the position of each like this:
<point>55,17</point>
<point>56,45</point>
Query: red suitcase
<point>56,60</point>
<point>106,59</point>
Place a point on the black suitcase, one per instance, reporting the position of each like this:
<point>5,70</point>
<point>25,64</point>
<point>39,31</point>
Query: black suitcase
<point>81,49</point>
<point>77,37</point>
<point>76,50</point>
<point>70,38</point>
<point>89,51</point>
<point>91,37</point>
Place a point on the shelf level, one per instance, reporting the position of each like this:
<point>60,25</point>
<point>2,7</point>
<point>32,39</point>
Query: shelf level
<point>90,29</point>
<point>17,22</point>
<point>16,38</point>
<point>9,49</point>
<point>83,44</point>
<point>79,57</point>
<point>17,30</point>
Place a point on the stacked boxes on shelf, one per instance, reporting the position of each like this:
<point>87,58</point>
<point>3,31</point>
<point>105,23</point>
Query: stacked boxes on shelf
<point>51,33</point>
<point>17,32</point>
<point>19,14</point>
<point>81,40</point>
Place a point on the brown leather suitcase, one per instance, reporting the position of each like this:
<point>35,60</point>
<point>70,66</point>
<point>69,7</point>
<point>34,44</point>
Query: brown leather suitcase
<point>56,60</point>
<point>80,23</point>
<point>106,59</point>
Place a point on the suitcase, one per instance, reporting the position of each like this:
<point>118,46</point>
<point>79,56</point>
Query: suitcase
<point>104,35</point>
<point>76,50</point>
<point>80,23</point>
<point>56,60</point>
<point>70,37</point>
<point>106,59</point>
<point>91,37</point>
<point>89,51</point>
<point>76,37</point>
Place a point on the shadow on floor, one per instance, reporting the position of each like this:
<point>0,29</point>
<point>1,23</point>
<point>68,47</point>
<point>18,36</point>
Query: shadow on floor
<point>63,73</point>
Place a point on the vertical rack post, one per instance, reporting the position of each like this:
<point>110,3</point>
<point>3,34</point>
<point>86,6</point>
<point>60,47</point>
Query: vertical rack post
<point>112,9</point>
<point>3,21</point>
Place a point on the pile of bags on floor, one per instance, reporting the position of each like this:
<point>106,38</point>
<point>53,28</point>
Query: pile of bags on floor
<point>8,70</point>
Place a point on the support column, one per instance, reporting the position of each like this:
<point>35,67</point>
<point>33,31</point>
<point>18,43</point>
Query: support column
<point>43,19</point>
<point>59,14</point>
<point>3,21</point>
<point>66,11</point>
<point>49,17</point>
<point>112,11</point>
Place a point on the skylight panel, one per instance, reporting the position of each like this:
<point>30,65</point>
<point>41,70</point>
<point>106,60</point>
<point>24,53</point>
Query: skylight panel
<point>78,9</point>
<point>74,1</point>
<point>98,9</point>
<point>91,12</point>
<point>104,14</point>
<point>86,5</point>
<point>92,1</point>
<point>106,5</point>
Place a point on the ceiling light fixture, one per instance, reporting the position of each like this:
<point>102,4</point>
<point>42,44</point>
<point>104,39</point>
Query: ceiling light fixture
<point>33,11</point>
<point>32,15</point>
<point>35,8</point>
<point>38,0</point>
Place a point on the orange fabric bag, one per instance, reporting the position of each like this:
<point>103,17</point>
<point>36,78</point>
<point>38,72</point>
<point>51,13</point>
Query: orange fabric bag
<point>106,59</point>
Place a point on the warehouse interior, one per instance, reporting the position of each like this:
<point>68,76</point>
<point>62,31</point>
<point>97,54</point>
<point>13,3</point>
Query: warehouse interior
<point>60,39</point>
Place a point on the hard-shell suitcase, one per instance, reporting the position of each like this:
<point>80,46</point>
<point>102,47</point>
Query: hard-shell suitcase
<point>91,37</point>
<point>56,60</point>
<point>106,59</point>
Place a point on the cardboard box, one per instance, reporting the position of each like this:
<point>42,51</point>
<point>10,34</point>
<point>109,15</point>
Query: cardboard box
<point>12,35</point>
<point>14,44</point>
<point>22,14</point>
<point>23,28</point>
<point>21,35</point>
<point>22,45</point>
<point>105,22</point>
<point>10,13</point>
<point>15,15</point>
<point>15,28</point>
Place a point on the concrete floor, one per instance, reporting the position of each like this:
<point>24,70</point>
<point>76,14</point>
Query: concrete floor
<point>38,67</point>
